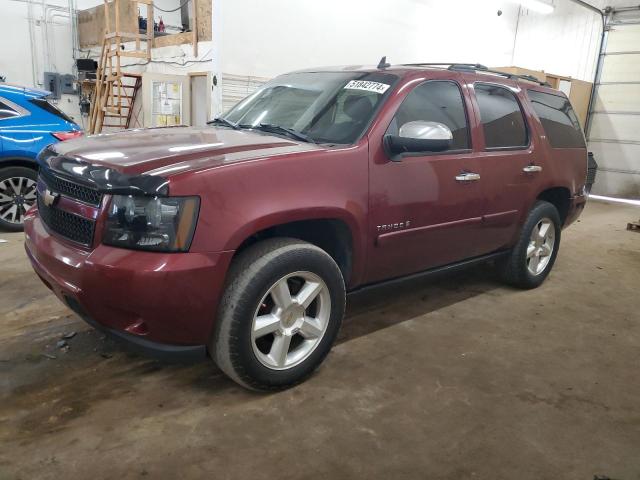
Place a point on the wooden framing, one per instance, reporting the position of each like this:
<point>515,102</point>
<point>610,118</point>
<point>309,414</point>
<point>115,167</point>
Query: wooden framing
<point>91,24</point>
<point>116,91</point>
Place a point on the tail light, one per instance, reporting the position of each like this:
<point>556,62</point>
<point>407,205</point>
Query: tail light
<point>62,136</point>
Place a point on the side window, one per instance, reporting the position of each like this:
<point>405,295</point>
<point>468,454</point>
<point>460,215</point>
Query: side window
<point>502,120</point>
<point>6,111</point>
<point>435,101</point>
<point>558,119</point>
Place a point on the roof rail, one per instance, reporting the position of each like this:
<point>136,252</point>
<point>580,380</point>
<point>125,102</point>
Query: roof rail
<point>469,66</point>
<point>477,67</point>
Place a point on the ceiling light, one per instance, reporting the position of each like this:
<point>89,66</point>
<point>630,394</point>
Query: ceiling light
<point>538,6</point>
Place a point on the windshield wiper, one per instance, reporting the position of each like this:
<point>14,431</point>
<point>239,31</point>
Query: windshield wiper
<point>270,127</point>
<point>223,121</point>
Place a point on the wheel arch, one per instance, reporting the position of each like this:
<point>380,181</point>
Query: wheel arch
<point>559,197</point>
<point>18,162</point>
<point>331,232</point>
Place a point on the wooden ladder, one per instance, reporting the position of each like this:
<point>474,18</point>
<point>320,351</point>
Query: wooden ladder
<point>116,91</point>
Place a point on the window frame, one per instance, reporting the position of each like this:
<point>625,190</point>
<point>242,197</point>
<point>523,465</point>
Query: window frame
<point>564,97</point>
<point>465,107</point>
<point>21,112</point>
<point>527,127</point>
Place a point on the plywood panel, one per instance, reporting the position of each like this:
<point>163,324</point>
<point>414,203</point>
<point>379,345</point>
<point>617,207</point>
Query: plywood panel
<point>175,39</point>
<point>204,20</point>
<point>579,95</point>
<point>540,75</point>
<point>91,24</point>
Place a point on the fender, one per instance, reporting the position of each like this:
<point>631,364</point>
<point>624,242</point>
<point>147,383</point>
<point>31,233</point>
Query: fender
<point>354,220</point>
<point>18,161</point>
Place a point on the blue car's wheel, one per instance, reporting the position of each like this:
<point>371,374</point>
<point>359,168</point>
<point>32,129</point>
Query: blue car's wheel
<point>17,195</point>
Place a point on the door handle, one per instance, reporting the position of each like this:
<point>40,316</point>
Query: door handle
<point>468,177</point>
<point>532,169</point>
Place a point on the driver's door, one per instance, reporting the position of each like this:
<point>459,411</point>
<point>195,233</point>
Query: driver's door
<point>426,209</point>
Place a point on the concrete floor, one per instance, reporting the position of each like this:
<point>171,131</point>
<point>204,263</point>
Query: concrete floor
<point>453,378</point>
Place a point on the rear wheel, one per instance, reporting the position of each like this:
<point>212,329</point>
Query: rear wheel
<point>533,257</point>
<point>17,195</point>
<point>280,314</point>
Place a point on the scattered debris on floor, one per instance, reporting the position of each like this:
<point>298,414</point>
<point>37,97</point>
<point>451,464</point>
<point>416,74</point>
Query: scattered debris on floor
<point>634,226</point>
<point>68,336</point>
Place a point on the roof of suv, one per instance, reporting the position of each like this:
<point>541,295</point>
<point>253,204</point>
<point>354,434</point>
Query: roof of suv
<point>474,69</point>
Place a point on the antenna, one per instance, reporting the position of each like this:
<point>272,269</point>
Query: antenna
<point>383,63</point>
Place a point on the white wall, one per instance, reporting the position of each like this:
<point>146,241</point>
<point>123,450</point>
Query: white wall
<point>52,45</point>
<point>565,42</point>
<point>51,52</point>
<point>261,38</point>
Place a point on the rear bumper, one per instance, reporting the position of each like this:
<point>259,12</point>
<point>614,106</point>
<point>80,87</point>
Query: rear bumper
<point>576,206</point>
<point>162,303</point>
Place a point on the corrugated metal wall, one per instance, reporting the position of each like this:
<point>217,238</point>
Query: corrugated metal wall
<point>565,42</point>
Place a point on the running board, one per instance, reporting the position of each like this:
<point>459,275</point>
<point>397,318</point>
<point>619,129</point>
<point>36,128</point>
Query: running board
<point>433,272</point>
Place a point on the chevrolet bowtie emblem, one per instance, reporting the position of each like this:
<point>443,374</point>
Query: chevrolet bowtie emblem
<point>50,198</point>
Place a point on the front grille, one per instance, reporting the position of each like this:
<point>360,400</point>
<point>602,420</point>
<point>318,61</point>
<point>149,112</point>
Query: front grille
<point>79,192</point>
<point>67,224</point>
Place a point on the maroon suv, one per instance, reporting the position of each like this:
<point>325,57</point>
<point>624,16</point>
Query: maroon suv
<point>240,239</point>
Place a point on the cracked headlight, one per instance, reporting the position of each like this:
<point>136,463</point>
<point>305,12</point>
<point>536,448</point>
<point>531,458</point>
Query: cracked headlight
<point>163,224</point>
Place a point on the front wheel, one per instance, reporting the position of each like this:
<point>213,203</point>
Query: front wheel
<point>280,314</point>
<point>531,260</point>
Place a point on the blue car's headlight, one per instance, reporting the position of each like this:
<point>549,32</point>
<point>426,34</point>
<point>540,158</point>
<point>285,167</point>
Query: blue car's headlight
<point>162,224</point>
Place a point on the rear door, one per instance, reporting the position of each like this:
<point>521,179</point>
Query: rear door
<point>16,136</point>
<point>510,161</point>
<point>425,210</point>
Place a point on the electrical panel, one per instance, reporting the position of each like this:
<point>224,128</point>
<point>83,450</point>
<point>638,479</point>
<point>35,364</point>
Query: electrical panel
<point>52,83</point>
<point>67,84</point>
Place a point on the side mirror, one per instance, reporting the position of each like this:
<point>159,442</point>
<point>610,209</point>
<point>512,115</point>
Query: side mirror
<point>418,137</point>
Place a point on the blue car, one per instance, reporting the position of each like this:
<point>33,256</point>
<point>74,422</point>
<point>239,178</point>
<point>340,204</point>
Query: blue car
<point>28,123</point>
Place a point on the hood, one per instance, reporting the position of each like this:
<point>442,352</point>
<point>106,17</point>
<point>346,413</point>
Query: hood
<point>161,151</point>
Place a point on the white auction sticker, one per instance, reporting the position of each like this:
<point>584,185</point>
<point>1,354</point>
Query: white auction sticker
<point>375,87</point>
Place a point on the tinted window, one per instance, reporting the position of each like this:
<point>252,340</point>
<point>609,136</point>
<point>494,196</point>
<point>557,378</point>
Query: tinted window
<point>329,107</point>
<point>558,119</point>
<point>435,101</point>
<point>502,119</point>
<point>6,111</point>
<point>43,104</point>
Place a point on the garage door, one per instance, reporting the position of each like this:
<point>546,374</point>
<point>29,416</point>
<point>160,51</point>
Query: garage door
<point>237,87</point>
<point>614,133</point>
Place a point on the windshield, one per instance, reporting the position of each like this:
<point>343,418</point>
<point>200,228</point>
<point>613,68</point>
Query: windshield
<point>324,107</point>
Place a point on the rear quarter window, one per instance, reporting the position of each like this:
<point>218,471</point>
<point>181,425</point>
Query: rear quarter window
<point>46,106</point>
<point>558,119</point>
<point>7,111</point>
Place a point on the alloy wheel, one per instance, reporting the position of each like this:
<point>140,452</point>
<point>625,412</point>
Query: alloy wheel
<point>17,195</point>
<point>540,248</point>
<point>291,320</point>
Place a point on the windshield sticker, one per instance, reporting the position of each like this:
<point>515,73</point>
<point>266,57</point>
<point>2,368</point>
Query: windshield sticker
<point>375,87</point>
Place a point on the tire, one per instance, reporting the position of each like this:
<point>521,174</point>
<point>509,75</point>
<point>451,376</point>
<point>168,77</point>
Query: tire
<point>256,287</point>
<point>19,181</point>
<point>518,269</point>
